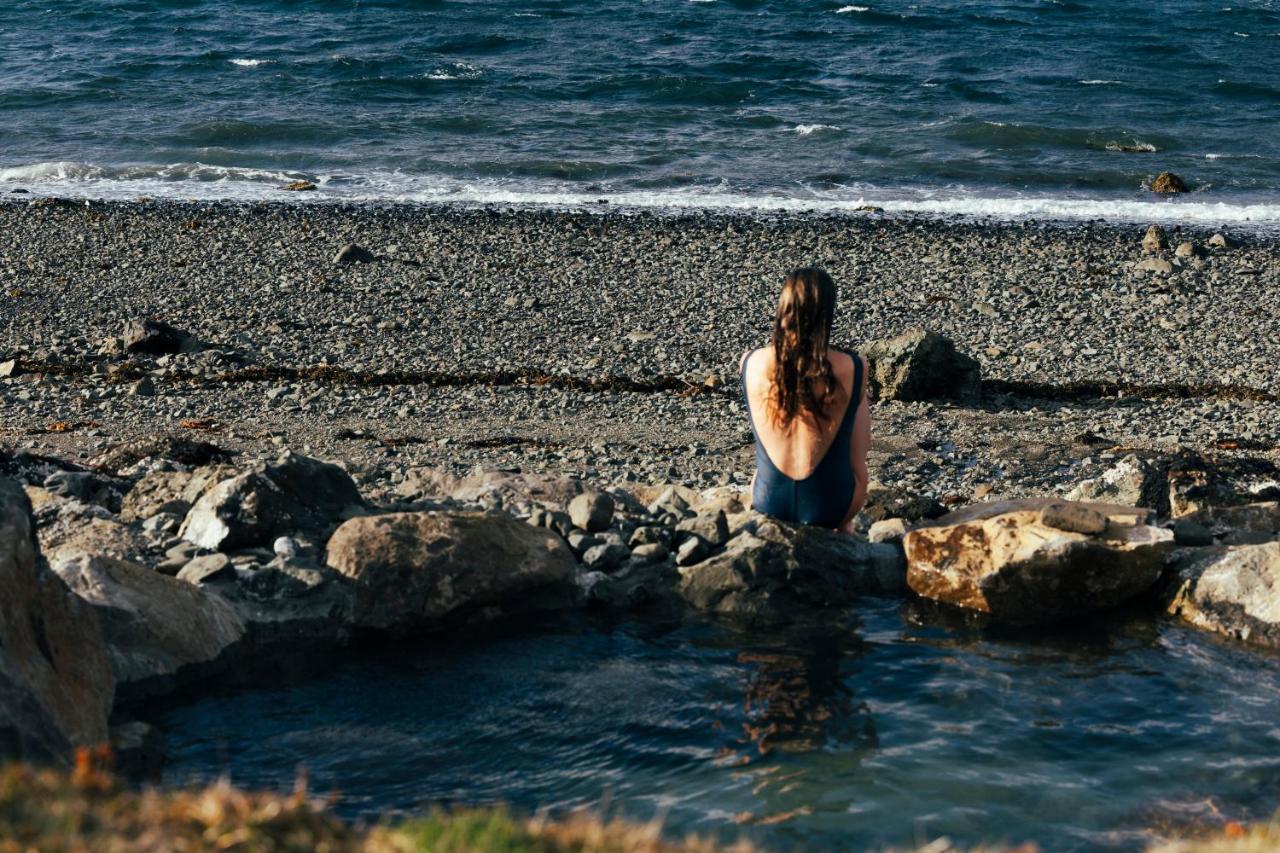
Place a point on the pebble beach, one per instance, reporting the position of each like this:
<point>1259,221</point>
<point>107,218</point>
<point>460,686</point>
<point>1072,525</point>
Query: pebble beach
<point>604,344</point>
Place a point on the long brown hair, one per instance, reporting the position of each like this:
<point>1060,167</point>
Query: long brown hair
<point>803,380</point>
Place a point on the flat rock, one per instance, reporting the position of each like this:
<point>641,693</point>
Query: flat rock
<point>1234,591</point>
<point>210,567</point>
<point>1002,559</point>
<point>160,632</point>
<point>772,572</point>
<point>416,571</point>
<point>56,684</point>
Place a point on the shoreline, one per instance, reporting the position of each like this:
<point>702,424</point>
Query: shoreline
<point>1059,212</point>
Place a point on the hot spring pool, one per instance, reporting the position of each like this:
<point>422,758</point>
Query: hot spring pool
<point>894,732</point>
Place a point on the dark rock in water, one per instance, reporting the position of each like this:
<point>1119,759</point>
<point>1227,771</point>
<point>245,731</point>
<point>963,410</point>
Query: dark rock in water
<point>591,512</point>
<point>19,191</point>
<point>638,584</point>
<point>773,572</point>
<point>56,685</point>
<point>353,254</point>
<point>160,632</point>
<point>1233,591</point>
<point>154,337</point>
<point>138,750</point>
<point>420,571</point>
<point>254,508</point>
<point>921,365</point>
<point>1168,183</point>
<point>298,186</point>
<point>1004,559</point>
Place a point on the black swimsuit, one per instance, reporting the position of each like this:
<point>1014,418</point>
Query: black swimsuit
<point>823,497</point>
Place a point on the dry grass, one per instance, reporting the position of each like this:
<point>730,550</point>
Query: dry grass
<point>87,811</point>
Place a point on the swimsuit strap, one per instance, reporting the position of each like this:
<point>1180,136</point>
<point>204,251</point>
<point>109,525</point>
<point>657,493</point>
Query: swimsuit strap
<point>855,390</point>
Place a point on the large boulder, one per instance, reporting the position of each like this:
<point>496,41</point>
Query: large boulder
<point>921,365</point>
<point>1036,560</point>
<point>171,492</point>
<point>772,571</point>
<point>56,685</point>
<point>254,508</point>
<point>1132,481</point>
<point>1231,590</point>
<point>418,571</point>
<point>160,631</point>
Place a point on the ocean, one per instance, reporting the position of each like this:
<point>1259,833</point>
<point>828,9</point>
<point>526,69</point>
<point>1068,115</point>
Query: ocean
<point>1024,108</point>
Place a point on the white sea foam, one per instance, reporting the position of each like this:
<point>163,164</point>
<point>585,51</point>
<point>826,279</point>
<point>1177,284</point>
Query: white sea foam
<point>456,71</point>
<point>844,10</point>
<point>250,63</point>
<point>810,129</point>
<point>1135,146</point>
<point>1101,82</point>
<point>204,182</point>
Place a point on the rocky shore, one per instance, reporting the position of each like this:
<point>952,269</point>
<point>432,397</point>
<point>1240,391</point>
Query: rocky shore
<point>523,412</point>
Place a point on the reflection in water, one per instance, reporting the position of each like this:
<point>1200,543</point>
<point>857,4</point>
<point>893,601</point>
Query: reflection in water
<point>800,703</point>
<point>798,699</point>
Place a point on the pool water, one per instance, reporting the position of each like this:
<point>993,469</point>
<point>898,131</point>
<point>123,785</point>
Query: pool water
<point>898,729</point>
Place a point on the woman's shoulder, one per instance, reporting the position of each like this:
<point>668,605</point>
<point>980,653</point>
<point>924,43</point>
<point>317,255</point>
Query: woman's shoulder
<point>850,356</point>
<point>758,355</point>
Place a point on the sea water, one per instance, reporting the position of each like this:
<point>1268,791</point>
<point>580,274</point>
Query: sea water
<point>1046,108</point>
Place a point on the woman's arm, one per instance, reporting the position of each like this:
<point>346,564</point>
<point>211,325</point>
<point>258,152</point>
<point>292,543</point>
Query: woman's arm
<point>861,444</point>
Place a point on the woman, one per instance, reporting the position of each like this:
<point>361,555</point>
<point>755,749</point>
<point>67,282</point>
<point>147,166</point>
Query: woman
<point>808,410</point>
